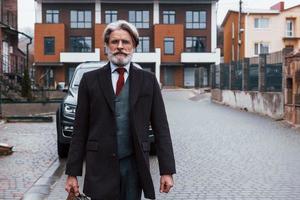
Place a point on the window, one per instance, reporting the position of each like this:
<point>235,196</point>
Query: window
<point>261,23</point>
<point>289,28</point>
<point>168,17</point>
<point>111,16</point>
<point>49,45</point>
<point>195,20</point>
<point>144,45</point>
<point>195,44</point>
<point>52,16</point>
<point>139,18</point>
<point>261,48</point>
<point>81,19</point>
<point>80,44</point>
<point>169,45</point>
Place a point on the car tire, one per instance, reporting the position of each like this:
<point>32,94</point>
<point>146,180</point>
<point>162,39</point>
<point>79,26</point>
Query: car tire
<point>62,148</point>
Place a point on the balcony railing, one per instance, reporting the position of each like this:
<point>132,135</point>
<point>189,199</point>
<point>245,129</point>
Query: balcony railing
<point>10,19</point>
<point>12,64</point>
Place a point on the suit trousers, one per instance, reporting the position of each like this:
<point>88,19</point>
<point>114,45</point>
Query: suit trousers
<point>130,188</point>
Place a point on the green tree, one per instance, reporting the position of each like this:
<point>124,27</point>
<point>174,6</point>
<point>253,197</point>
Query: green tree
<point>26,88</point>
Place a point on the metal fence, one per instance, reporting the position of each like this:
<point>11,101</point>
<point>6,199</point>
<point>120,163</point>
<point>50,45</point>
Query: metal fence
<point>253,77</point>
<point>263,73</point>
<point>273,77</point>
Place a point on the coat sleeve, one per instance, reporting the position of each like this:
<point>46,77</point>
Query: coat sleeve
<point>81,128</point>
<point>161,131</point>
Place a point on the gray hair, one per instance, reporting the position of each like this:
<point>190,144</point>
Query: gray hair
<point>121,25</point>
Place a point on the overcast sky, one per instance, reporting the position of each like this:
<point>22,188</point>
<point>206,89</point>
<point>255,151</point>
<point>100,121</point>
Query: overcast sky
<point>26,15</point>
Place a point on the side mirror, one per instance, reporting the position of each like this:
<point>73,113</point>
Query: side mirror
<point>65,89</point>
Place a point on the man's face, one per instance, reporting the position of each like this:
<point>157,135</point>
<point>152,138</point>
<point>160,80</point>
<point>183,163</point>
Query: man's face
<point>120,47</point>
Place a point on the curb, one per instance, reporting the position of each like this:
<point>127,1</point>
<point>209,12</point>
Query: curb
<point>42,187</point>
<point>11,119</point>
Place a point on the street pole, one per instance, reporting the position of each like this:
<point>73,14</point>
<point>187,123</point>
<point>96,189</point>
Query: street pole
<point>0,99</point>
<point>239,32</point>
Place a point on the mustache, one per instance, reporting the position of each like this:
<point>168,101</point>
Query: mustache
<point>120,52</point>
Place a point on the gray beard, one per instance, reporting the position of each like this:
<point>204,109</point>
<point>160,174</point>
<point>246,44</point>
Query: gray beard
<point>119,62</point>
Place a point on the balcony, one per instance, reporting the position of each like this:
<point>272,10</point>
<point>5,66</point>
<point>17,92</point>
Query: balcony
<point>12,64</point>
<point>201,57</point>
<point>78,57</point>
<point>149,57</point>
<point>9,19</point>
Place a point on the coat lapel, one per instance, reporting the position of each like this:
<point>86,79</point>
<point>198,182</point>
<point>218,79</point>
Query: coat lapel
<point>136,79</point>
<point>104,78</point>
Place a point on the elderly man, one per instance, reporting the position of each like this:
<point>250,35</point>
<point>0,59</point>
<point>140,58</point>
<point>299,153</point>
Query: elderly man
<point>116,104</point>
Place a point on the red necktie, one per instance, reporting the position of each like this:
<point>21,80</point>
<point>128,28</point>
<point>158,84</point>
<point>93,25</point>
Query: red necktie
<point>120,82</point>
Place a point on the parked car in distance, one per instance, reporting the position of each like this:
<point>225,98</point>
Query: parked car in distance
<point>65,114</point>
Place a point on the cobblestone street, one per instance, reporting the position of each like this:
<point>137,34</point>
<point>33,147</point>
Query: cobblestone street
<point>35,150</point>
<point>221,153</point>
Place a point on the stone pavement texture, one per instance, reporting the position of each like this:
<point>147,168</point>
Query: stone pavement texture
<point>223,153</point>
<point>35,150</point>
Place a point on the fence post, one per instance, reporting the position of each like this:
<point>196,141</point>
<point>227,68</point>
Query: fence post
<point>231,75</point>
<point>245,74</point>
<point>285,52</point>
<point>212,76</point>
<point>201,76</point>
<point>262,72</point>
<point>221,76</point>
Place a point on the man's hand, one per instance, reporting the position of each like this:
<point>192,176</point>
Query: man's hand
<point>166,182</point>
<point>72,184</point>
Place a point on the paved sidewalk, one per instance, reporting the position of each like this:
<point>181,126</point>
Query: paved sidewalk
<point>34,151</point>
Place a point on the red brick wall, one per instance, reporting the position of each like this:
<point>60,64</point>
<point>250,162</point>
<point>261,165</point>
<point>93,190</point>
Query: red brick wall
<point>233,18</point>
<point>179,76</point>
<point>99,28</point>
<point>49,30</point>
<point>166,30</point>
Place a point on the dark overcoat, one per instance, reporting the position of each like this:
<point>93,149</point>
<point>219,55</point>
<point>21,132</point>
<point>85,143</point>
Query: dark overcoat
<point>95,139</point>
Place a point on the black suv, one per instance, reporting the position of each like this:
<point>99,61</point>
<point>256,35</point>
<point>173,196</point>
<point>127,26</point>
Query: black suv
<point>65,114</point>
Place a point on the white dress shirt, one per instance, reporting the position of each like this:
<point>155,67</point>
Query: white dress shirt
<point>115,74</point>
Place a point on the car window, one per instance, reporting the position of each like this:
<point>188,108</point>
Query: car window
<point>78,75</point>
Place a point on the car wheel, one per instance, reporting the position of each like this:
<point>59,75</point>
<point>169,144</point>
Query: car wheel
<point>62,149</point>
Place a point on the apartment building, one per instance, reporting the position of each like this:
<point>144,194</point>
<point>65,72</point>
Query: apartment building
<point>262,31</point>
<point>12,58</point>
<point>178,39</point>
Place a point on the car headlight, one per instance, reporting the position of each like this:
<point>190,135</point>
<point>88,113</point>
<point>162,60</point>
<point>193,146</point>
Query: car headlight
<point>69,109</point>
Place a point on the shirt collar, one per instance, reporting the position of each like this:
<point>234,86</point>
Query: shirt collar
<point>113,67</point>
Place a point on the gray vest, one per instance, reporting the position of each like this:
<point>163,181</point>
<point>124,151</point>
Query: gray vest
<point>124,137</point>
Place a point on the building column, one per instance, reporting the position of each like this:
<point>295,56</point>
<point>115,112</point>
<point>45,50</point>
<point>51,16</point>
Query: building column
<point>98,12</point>
<point>262,72</point>
<point>157,64</point>
<point>245,74</point>
<point>213,26</point>
<point>38,12</point>
<point>156,12</point>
